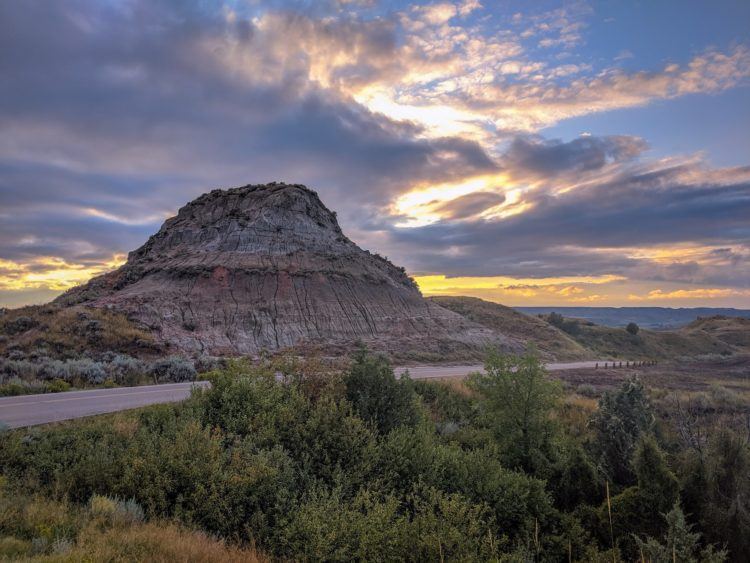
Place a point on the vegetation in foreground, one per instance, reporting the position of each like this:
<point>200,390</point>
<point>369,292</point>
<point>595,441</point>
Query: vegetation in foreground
<point>105,529</point>
<point>357,465</point>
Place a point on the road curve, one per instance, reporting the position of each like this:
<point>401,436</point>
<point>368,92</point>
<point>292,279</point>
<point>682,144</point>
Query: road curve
<point>30,410</point>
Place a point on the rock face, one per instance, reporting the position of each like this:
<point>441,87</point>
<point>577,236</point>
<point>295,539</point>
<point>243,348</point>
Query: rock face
<point>267,267</point>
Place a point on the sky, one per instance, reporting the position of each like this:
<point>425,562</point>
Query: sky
<point>529,153</point>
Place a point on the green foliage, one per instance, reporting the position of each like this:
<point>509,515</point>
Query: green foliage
<point>680,543</point>
<point>518,399</point>
<point>570,326</point>
<point>574,480</point>
<point>377,396</point>
<point>330,527</point>
<point>334,445</point>
<point>632,328</point>
<point>310,464</point>
<point>247,400</point>
<point>725,503</point>
<point>637,511</point>
<point>622,417</point>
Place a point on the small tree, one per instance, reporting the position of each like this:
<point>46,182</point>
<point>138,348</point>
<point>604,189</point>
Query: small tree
<point>377,396</point>
<point>638,510</point>
<point>518,398</point>
<point>622,417</point>
<point>632,328</point>
<point>556,319</point>
<point>680,543</point>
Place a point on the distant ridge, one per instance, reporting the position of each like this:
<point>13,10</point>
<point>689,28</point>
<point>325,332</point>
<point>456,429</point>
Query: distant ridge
<point>645,317</point>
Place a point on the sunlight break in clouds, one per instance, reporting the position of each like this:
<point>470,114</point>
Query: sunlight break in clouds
<point>573,289</point>
<point>51,273</point>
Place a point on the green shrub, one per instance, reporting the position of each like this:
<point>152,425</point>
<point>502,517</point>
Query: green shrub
<point>518,399</point>
<point>171,370</point>
<point>312,466</point>
<point>377,396</point>
<point>621,418</point>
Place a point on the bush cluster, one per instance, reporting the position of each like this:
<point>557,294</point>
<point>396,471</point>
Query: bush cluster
<point>46,374</point>
<point>330,466</point>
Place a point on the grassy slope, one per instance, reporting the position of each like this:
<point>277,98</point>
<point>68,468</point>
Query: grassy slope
<point>714,335</point>
<point>551,342</point>
<point>733,331</point>
<point>62,332</point>
<point>607,342</point>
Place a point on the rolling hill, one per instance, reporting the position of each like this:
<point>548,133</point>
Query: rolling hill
<point>579,338</point>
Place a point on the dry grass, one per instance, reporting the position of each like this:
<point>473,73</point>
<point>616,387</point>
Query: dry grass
<point>724,336</point>
<point>456,384</point>
<point>69,331</point>
<point>36,529</point>
<point>126,425</point>
<point>155,543</point>
<point>574,412</point>
<point>551,342</point>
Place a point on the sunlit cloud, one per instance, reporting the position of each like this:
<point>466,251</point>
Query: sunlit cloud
<point>699,293</point>
<point>142,220</point>
<point>49,272</point>
<point>509,290</point>
<point>422,205</point>
<point>438,284</point>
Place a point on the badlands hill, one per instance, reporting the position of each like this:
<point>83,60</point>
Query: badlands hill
<point>266,267</point>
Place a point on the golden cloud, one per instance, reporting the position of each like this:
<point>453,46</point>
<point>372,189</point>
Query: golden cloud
<point>52,273</point>
<point>699,293</point>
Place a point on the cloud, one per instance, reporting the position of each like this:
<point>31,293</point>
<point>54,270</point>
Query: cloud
<point>107,129</point>
<point>700,293</point>
<point>549,158</point>
<point>542,101</point>
<point>574,289</point>
<point>469,205</point>
<point>50,273</point>
<point>666,220</point>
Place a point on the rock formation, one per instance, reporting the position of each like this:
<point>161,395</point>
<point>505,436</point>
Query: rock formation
<point>267,267</point>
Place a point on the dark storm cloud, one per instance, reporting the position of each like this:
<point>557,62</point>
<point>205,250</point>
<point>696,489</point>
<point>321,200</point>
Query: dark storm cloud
<point>549,158</point>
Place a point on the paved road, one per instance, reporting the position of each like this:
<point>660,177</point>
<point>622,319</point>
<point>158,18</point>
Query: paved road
<point>30,410</point>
